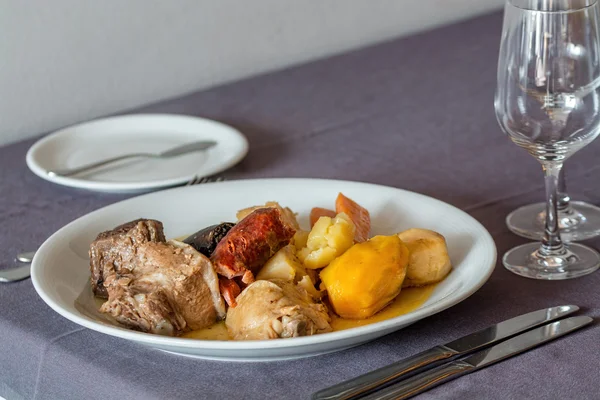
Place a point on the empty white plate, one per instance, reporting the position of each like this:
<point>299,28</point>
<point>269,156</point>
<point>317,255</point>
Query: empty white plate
<point>110,137</point>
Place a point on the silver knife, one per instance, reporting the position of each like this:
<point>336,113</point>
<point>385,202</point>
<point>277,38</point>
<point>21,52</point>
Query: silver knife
<point>446,372</point>
<point>467,344</point>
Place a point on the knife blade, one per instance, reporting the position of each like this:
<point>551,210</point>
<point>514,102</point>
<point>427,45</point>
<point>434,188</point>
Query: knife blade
<point>509,348</point>
<point>383,376</point>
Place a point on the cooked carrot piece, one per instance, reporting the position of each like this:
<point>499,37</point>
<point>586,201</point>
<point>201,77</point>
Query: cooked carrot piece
<point>358,215</point>
<point>319,212</point>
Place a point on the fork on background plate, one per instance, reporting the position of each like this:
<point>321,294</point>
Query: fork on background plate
<point>204,179</point>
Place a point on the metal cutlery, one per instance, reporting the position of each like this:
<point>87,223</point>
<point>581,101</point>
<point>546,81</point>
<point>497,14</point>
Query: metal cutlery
<point>384,376</point>
<point>26,257</point>
<point>203,179</point>
<point>173,152</point>
<point>452,370</point>
<point>19,273</point>
<point>15,274</point>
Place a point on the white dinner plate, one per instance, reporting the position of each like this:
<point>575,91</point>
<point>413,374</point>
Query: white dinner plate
<point>105,138</point>
<point>60,269</point>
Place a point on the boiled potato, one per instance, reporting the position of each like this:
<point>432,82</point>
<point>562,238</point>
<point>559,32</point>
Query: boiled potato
<point>307,284</point>
<point>429,261</point>
<point>300,239</point>
<point>329,238</point>
<point>285,265</point>
<point>367,277</point>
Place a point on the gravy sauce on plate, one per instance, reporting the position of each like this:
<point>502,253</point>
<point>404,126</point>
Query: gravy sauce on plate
<point>408,300</point>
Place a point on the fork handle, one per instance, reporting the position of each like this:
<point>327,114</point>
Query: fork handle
<point>73,171</point>
<point>422,382</point>
<point>357,386</point>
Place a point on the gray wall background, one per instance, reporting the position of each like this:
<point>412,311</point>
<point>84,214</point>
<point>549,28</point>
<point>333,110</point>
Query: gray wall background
<point>66,61</point>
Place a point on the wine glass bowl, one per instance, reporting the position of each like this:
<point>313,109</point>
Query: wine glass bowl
<point>547,102</point>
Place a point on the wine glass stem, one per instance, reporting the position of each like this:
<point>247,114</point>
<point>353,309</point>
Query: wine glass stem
<point>563,199</point>
<point>551,243</point>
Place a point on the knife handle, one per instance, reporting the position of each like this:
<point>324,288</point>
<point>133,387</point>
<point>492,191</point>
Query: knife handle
<point>361,384</point>
<point>422,382</point>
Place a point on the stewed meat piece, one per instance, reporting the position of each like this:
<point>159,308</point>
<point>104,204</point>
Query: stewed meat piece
<point>115,249</point>
<point>167,288</point>
<point>276,308</point>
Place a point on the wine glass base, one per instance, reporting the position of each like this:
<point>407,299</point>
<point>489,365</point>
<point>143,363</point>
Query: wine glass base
<point>525,261</point>
<point>581,223</point>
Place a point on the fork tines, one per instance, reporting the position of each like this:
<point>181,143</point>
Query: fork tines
<point>196,180</point>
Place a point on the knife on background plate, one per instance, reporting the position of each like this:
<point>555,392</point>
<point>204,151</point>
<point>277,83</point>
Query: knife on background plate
<point>386,375</point>
<point>446,372</point>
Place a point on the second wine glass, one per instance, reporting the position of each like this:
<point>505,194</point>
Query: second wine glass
<point>548,102</point>
<point>577,220</point>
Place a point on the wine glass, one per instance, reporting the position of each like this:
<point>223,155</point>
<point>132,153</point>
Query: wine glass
<point>548,102</point>
<point>577,220</point>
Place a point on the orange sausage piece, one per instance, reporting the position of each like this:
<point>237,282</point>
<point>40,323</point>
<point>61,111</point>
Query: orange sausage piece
<point>229,290</point>
<point>250,243</point>
<point>359,215</point>
<point>319,212</point>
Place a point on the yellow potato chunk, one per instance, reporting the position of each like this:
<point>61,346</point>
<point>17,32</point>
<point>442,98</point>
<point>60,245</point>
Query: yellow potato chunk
<point>429,261</point>
<point>328,239</point>
<point>367,277</point>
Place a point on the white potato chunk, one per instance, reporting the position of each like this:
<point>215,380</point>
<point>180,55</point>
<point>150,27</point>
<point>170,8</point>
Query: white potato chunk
<point>283,265</point>
<point>429,261</point>
<point>329,238</point>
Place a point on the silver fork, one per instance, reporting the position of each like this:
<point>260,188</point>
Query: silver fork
<point>204,179</point>
<point>23,271</point>
<point>173,152</point>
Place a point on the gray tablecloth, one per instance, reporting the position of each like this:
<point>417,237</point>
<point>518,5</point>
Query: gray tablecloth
<point>414,113</point>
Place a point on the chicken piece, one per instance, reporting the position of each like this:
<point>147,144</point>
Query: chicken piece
<point>429,261</point>
<point>169,288</point>
<point>115,249</point>
<point>250,243</point>
<point>273,309</point>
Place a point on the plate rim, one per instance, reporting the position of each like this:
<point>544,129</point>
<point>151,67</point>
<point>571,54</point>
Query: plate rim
<point>390,325</point>
<point>38,170</point>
